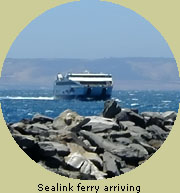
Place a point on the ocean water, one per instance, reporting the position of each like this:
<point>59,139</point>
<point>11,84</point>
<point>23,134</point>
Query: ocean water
<point>19,104</point>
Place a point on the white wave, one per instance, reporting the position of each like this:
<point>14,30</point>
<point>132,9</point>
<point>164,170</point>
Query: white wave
<point>166,101</point>
<point>26,98</point>
<point>135,99</point>
<point>134,104</point>
<point>117,100</point>
<point>49,111</point>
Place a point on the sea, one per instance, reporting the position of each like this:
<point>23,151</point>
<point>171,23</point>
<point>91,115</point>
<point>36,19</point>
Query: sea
<point>24,104</point>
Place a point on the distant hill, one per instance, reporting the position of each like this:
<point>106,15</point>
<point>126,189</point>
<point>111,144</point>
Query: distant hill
<point>128,73</point>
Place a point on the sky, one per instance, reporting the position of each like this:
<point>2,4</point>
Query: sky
<point>89,29</point>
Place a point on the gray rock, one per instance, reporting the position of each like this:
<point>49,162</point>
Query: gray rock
<point>148,147</point>
<point>137,119</point>
<point>135,111</point>
<point>110,166</point>
<point>168,122</point>
<point>41,118</point>
<point>157,132</point>
<point>79,162</point>
<point>100,124</point>
<point>36,129</point>
<point>61,149</point>
<point>138,131</point>
<point>74,174</point>
<point>169,115</point>
<point>155,118</point>
<point>67,137</point>
<point>74,148</point>
<point>87,142</point>
<point>168,128</point>
<point>123,140</point>
<point>94,158</point>
<point>75,160</point>
<point>46,149</point>
<point>93,147</point>
<point>122,116</point>
<point>97,140</point>
<point>155,143</point>
<point>19,126</point>
<point>151,114</point>
<point>124,170</point>
<point>69,120</point>
<point>129,115</point>
<point>111,109</point>
<point>127,124</point>
<point>86,167</point>
<point>132,151</point>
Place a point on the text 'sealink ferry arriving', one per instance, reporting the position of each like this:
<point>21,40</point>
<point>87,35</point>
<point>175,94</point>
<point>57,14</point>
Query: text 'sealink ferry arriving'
<point>83,86</point>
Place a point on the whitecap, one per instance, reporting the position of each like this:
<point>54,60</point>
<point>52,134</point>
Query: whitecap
<point>166,101</point>
<point>49,111</point>
<point>134,99</point>
<point>117,100</point>
<point>26,98</point>
<point>134,104</point>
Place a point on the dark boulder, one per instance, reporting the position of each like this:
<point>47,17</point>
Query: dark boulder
<point>115,134</point>
<point>153,118</point>
<point>110,165</point>
<point>137,119</point>
<point>132,152</point>
<point>54,161</point>
<point>111,109</point>
<point>129,115</point>
<point>24,141</point>
<point>41,118</point>
<point>48,148</point>
<point>122,116</point>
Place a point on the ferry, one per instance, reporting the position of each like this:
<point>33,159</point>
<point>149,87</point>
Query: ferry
<point>83,86</point>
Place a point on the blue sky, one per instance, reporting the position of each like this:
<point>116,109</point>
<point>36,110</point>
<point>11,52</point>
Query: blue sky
<point>89,29</point>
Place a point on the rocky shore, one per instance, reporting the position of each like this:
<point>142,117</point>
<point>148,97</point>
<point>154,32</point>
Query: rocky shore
<point>93,147</point>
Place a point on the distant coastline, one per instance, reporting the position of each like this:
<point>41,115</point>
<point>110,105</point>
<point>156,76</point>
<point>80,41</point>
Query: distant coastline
<point>140,73</point>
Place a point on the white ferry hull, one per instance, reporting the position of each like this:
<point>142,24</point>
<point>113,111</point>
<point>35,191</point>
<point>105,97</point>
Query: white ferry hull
<point>82,92</point>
